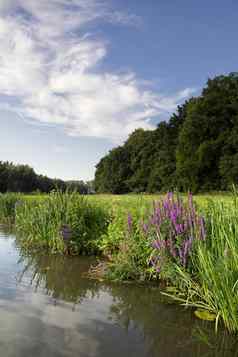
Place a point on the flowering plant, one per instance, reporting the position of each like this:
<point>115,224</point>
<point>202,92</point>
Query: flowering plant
<point>173,228</point>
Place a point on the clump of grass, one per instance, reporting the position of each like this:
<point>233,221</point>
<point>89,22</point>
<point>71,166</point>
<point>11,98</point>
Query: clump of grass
<point>8,202</point>
<point>214,285</point>
<point>128,250</point>
<point>39,223</point>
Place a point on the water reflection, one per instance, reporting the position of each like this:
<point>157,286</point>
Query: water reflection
<point>48,307</point>
<point>61,277</point>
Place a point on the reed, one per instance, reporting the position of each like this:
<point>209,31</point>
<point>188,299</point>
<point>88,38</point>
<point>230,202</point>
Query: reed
<point>8,202</point>
<point>214,285</point>
<point>39,223</point>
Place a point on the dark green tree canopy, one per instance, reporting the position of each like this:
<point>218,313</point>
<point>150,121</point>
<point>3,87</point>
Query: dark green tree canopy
<point>22,178</point>
<point>196,149</point>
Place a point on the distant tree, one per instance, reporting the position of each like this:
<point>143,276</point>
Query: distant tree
<point>112,172</point>
<point>22,178</point>
<point>77,186</point>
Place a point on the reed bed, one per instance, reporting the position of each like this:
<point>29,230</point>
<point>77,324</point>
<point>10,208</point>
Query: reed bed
<point>214,286</point>
<point>8,203</point>
<point>39,223</point>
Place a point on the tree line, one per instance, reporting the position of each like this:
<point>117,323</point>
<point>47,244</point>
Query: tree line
<point>22,178</point>
<point>196,149</point>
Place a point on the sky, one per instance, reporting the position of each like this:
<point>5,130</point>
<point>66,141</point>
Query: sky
<point>78,76</point>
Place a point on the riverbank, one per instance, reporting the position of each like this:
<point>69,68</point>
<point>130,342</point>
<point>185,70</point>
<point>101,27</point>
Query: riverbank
<point>190,245</point>
<point>50,308</point>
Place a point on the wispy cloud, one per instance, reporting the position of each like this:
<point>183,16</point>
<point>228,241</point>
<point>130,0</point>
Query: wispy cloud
<point>51,65</point>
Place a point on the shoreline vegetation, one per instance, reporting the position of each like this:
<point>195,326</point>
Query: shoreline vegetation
<point>188,243</point>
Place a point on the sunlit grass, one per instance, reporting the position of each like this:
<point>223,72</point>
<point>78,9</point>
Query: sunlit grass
<point>39,222</point>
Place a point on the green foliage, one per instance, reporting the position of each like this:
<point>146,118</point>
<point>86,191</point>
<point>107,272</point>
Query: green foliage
<point>8,204</point>
<point>197,149</point>
<point>213,285</point>
<point>127,248</point>
<point>39,222</point>
<point>22,178</point>
<point>131,261</point>
<point>112,172</point>
<point>209,133</point>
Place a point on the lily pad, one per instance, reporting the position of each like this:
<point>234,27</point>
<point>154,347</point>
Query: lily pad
<point>205,315</point>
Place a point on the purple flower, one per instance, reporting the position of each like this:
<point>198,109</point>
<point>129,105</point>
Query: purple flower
<point>145,228</point>
<point>129,221</point>
<point>202,229</point>
<point>177,225</point>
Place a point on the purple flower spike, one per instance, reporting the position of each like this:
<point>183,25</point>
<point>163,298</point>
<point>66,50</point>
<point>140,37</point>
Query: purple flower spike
<point>177,225</point>
<point>129,221</point>
<point>145,228</point>
<point>202,229</point>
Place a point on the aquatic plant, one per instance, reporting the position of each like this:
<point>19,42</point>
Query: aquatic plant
<point>151,244</point>
<point>40,222</point>
<point>8,202</point>
<point>213,286</point>
<point>174,228</point>
<point>129,251</point>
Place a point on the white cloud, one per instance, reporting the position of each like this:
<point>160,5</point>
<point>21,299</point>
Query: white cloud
<point>52,66</point>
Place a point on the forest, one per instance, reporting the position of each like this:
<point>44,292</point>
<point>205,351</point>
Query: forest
<point>196,149</point>
<point>23,178</point>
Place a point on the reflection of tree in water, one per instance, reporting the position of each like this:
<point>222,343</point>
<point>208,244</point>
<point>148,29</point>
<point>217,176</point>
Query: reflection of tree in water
<point>62,277</point>
<point>7,230</point>
<point>168,330</point>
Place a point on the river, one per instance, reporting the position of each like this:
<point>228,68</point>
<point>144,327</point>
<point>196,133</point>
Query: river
<point>50,308</point>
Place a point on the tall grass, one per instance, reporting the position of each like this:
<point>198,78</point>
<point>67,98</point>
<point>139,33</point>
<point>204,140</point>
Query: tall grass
<point>8,202</point>
<point>39,223</point>
<point>214,286</point>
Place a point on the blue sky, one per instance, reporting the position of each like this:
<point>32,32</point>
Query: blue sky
<point>78,76</point>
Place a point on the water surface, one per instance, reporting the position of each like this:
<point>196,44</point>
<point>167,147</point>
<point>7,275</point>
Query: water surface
<point>48,307</point>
